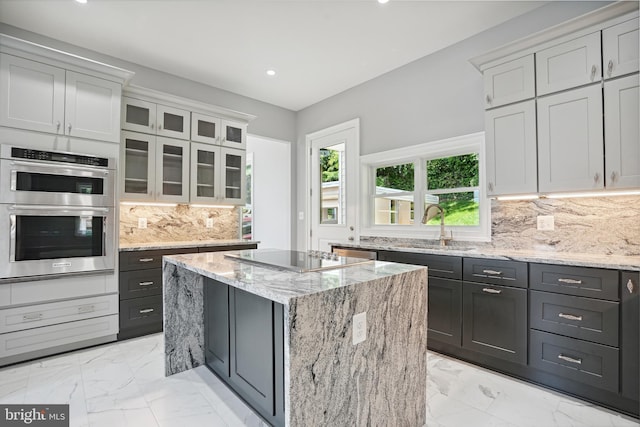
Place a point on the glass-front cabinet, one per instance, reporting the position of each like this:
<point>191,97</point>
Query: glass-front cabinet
<point>233,175</point>
<point>205,128</point>
<point>156,119</point>
<point>234,134</point>
<point>137,166</point>
<point>172,170</point>
<point>217,174</point>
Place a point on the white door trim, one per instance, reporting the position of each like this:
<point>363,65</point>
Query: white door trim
<point>355,175</point>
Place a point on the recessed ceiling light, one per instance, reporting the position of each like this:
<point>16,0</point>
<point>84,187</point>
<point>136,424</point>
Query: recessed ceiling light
<point>82,1</point>
<point>271,72</point>
<point>383,1</point>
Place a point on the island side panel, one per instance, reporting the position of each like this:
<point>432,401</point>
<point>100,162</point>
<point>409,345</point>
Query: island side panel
<point>183,311</point>
<point>381,381</point>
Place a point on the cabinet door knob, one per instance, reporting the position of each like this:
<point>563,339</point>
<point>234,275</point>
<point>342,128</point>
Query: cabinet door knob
<point>152,125</point>
<point>58,126</point>
<point>614,176</point>
<point>596,178</point>
<point>490,186</point>
<point>350,238</point>
<point>489,99</point>
<point>160,127</point>
<point>610,67</point>
<point>593,72</point>
<point>69,128</point>
<point>630,286</point>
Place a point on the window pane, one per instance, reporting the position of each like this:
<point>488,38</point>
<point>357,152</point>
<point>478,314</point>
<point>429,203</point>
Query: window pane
<point>453,172</point>
<point>332,179</point>
<point>394,210</point>
<point>394,178</point>
<point>460,208</point>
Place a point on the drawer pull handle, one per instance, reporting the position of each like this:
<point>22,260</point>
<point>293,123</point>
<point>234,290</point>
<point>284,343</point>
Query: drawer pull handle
<point>145,259</point>
<point>570,281</point>
<point>630,286</point>
<point>492,272</point>
<point>491,291</point>
<point>570,359</point>
<point>570,317</point>
<point>31,317</point>
<point>145,283</point>
<point>86,308</point>
<point>146,310</point>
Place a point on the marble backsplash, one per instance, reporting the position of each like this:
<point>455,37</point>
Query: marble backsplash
<point>177,223</point>
<point>592,225</point>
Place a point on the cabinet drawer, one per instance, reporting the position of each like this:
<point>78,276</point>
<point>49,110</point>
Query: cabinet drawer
<point>580,281</point>
<point>35,316</point>
<point>444,266</point>
<point>582,361</point>
<point>140,311</point>
<point>49,337</point>
<point>510,82</point>
<point>140,283</point>
<point>136,260</point>
<point>570,64</point>
<point>496,272</point>
<point>577,317</point>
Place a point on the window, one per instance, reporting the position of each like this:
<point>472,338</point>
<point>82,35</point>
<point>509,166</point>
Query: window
<point>402,183</point>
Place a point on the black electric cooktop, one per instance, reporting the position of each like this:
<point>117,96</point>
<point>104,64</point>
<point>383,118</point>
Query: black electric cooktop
<point>300,262</point>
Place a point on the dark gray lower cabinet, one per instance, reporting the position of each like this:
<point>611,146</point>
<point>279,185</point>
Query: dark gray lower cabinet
<point>629,334</point>
<point>494,321</point>
<point>445,311</point>
<point>244,345</point>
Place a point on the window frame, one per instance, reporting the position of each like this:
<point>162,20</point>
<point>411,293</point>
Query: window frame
<point>418,155</point>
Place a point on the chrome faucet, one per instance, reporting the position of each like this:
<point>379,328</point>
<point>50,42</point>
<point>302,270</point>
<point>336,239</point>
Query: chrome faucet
<point>443,238</point>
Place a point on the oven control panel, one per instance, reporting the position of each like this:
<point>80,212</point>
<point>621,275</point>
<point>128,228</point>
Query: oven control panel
<point>50,156</point>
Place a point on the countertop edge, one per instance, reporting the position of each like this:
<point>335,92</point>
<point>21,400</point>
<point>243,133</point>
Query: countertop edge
<point>132,247</point>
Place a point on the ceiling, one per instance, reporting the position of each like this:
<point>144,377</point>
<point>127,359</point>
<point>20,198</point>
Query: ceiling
<point>318,47</point>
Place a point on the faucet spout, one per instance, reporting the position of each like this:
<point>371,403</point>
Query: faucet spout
<point>426,217</point>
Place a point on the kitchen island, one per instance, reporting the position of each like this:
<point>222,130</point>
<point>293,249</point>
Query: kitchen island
<point>325,378</point>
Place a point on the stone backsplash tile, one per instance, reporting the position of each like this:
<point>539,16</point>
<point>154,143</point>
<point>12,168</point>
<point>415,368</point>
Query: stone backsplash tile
<point>179,223</point>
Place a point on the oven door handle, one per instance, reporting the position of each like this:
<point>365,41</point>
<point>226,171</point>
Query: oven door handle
<point>56,209</point>
<point>60,167</point>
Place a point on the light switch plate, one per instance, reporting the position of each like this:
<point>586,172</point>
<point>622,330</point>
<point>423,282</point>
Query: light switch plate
<point>546,223</point>
<point>142,222</point>
<point>359,327</point>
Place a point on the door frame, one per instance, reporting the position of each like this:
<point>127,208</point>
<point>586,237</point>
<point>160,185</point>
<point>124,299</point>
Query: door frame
<point>350,124</point>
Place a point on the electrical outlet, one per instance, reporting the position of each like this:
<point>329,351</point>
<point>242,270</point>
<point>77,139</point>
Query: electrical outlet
<point>359,327</point>
<point>142,222</point>
<point>546,223</point>
<point>301,216</point>
<point>209,223</point>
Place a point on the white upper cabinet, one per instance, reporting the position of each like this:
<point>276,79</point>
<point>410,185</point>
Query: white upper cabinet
<point>205,128</point>
<point>32,95</point>
<point>205,173</point>
<point>92,107</point>
<point>620,49</point>
<point>570,64</point>
<point>511,149</point>
<point>234,134</point>
<point>234,176</point>
<point>157,119</point>
<point>510,82</point>
<point>622,132</point>
<point>570,145</point>
<point>137,166</point>
<point>45,98</point>
<point>172,170</point>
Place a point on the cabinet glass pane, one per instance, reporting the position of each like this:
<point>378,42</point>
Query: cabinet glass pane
<point>172,170</point>
<point>205,174</point>
<point>173,122</point>
<point>136,166</point>
<point>234,134</point>
<point>207,129</point>
<point>137,115</point>
<point>233,176</point>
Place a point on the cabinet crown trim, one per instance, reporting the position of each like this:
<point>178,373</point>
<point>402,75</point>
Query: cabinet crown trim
<point>622,10</point>
<point>146,94</point>
<point>23,48</point>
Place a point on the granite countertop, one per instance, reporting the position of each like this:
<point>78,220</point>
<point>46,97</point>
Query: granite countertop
<point>282,286</point>
<point>128,247</point>
<point>618,262</point>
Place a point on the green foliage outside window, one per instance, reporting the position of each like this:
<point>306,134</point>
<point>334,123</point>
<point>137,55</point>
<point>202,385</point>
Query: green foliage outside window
<point>330,165</point>
<point>398,177</point>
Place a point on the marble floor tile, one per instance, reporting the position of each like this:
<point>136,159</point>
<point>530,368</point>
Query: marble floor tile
<point>123,384</point>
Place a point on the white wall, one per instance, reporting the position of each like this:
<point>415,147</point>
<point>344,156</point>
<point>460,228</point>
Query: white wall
<point>436,97</point>
<point>271,192</point>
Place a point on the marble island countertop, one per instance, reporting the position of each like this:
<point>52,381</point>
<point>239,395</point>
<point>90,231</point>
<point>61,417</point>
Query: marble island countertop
<point>283,286</point>
<point>126,247</point>
<point>619,262</point>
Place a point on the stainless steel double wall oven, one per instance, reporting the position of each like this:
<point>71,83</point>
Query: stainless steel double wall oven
<point>57,212</point>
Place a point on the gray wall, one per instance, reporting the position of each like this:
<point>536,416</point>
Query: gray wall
<point>436,97</point>
<point>272,121</point>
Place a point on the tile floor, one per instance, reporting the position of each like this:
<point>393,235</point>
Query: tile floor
<point>123,384</point>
